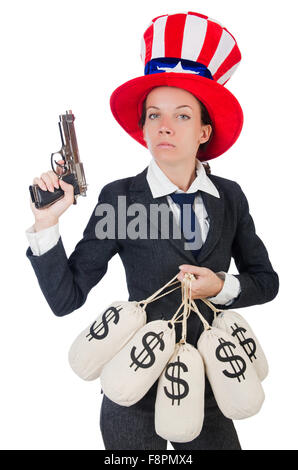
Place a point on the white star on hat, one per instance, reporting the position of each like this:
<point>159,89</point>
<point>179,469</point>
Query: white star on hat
<point>178,69</point>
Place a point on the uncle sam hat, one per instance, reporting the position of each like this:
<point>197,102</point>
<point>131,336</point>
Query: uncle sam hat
<point>193,52</point>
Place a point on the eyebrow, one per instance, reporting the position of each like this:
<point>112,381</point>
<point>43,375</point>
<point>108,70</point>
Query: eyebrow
<point>182,106</point>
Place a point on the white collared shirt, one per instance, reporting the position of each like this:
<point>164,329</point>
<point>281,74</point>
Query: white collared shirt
<point>42,241</point>
<point>160,185</point>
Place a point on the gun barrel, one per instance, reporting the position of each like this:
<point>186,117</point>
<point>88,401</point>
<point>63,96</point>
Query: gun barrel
<point>70,149</point>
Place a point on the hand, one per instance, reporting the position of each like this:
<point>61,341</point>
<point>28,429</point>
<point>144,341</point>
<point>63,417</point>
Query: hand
<point>207,283</point>
<point>45,218</point>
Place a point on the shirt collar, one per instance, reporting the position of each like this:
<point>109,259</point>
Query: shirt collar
<point>160,185</point>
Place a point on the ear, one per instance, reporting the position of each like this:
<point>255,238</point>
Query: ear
<point>205,134</point>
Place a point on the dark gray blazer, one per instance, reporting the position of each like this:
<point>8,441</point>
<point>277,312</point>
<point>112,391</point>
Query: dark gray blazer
<point>149,264</point>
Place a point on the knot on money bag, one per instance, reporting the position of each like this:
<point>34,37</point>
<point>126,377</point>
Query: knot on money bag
<point>234,380</point>
<point>179,405</point>
<point>108,334</point>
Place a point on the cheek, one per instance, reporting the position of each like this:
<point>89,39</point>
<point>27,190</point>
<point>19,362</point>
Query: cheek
<point>149,132</point>
<point>194,135</point>
<point>189,135</point>
<point>145,133</point>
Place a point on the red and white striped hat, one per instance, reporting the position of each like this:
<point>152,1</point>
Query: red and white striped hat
<point>193,52</point>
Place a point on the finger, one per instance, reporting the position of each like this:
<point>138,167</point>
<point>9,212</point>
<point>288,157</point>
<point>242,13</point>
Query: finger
<point>48,179</point>
<point>60,170</point>
<point>182,275</point>
<point>54,178</point>
<point>189,268</point>
<point>67,188</point>
<point>40,183</point>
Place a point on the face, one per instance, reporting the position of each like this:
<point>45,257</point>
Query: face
<point>173,115</point>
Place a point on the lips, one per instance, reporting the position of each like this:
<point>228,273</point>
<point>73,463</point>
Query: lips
<point>165,144</point>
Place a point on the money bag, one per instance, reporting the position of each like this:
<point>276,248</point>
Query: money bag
<point>233,323</point>
<point>98,343</point>
<point>127,377</point>
<point>234,381</point>
<point>179,406</point>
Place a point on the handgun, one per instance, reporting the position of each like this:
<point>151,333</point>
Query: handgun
<point>73,171</point>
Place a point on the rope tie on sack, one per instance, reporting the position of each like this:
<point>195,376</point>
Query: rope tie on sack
<point>188,304</point>
<point>193,306</point>
<point>153,297</point>
<point>210,305</point>
<point>203,320</point>
<point>186,296</point>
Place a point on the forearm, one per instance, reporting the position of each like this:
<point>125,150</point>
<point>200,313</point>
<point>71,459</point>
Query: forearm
<point>256,289</point>
<point>229,292</point>
<point>42,240</point>
<point>59,284</point>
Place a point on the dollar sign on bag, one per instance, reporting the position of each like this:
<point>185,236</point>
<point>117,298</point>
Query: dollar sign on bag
<point>111,314</point>
<point>180,382</point>
<point>149,348</point>
<point>237,363</point>
<point>248,344</point>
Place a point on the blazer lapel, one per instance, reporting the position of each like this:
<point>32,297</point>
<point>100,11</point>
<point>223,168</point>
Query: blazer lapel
<point>140,193</point>
<point>215,210</point>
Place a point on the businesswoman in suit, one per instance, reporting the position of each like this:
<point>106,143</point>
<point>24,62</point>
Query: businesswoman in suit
<point>183,117</point>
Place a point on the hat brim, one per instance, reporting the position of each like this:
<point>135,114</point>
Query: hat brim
<point>224,109</point>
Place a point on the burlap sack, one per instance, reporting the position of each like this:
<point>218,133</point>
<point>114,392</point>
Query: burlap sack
<point>233,323</point>
<point>179,406</point>
<point>127,377</point>
<point>234,381</point>
<point>98,343</point>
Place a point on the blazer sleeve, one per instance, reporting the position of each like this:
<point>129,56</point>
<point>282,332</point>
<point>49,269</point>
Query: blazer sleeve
<point>258,281</point>
<point>66,283</point>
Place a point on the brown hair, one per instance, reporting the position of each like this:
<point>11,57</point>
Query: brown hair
<point>205,119</point>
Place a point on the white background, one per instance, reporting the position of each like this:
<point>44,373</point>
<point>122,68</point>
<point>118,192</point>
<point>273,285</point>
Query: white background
<point>59,55</point>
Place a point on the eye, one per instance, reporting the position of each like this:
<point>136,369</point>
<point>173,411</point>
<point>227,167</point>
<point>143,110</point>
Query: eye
<point>155,114</point>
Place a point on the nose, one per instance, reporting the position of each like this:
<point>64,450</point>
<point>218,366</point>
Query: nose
<point>165,128</point>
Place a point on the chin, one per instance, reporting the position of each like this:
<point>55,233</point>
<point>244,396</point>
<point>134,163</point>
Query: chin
<point>167,158</point>
<point>165,153</point>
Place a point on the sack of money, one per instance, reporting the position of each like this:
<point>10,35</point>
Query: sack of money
<point>179,405</point>
<point>101,340</point>
<point>233,323</point>
<point>134,369</point>
<point>112,329</point>
<point>234,381</point>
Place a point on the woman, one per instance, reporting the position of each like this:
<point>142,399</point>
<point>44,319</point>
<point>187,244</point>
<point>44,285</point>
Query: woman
<point>183,114</point>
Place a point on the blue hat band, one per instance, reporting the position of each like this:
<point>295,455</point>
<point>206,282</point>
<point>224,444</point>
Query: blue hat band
<point>165,64</point>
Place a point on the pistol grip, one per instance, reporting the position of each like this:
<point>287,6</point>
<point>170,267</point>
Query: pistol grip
<point>43,199</point>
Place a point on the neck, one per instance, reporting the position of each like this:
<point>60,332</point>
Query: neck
<point>182,174</point>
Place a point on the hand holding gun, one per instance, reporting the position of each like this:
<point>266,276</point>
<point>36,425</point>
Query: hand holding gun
<point>56,190</point>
